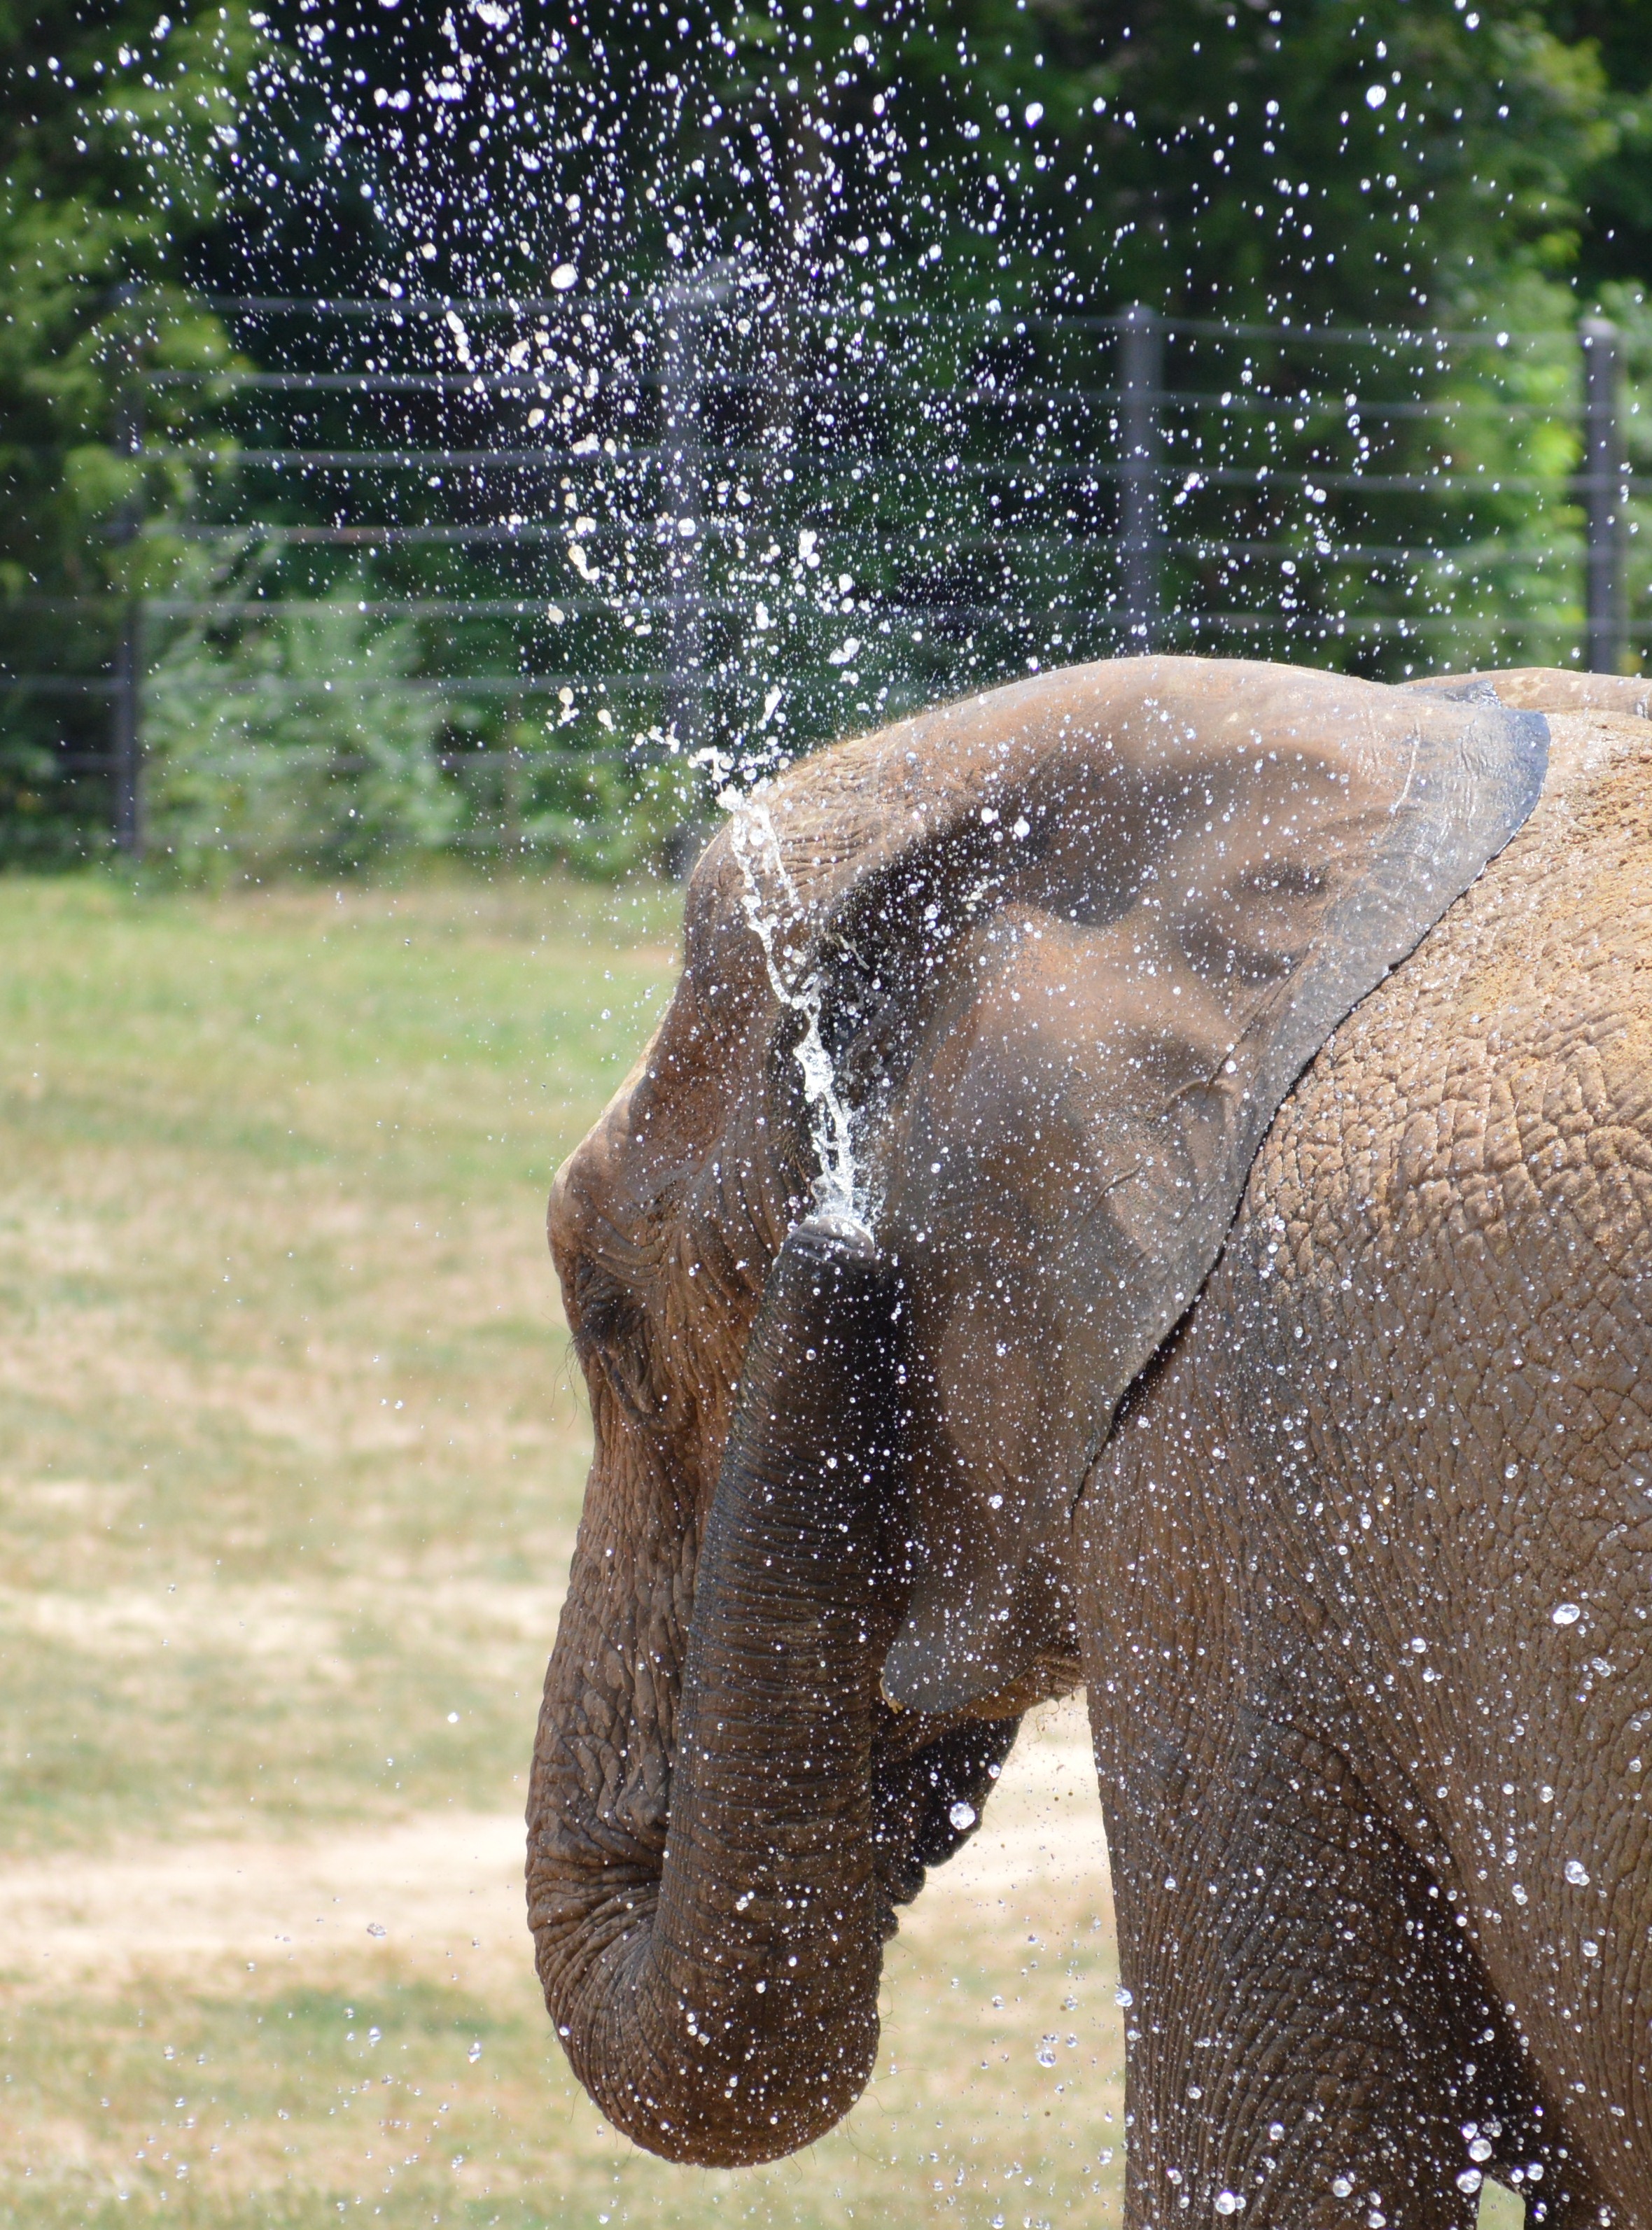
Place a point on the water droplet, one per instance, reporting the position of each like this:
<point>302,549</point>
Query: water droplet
<point>1576,1874</point>
<point>1342,2184</point>
<point>474,2053</point>
<point>1566,1613</point>
<point>962,1815</point>
<point>1123,1997</point>
<point>1045,2054</point>
<point>1229,2203</point>
<point>373,1927</point>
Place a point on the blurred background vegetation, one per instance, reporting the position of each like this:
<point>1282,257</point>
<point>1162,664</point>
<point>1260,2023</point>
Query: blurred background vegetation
<point>954,174</point>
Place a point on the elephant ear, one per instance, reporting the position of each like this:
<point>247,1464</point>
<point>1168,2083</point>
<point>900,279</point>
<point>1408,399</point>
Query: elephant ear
<point>1076,939</point>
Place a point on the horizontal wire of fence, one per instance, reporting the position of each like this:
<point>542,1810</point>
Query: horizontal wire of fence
<point>530,384</point>
<point>567,605</point>
<point>867,309</point>
<point>656,514</point>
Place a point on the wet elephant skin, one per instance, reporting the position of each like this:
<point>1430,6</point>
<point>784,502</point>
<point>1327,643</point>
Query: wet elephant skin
<point>716,1985</point>
<point>1347,1751</point>
<point>1370,1667</point>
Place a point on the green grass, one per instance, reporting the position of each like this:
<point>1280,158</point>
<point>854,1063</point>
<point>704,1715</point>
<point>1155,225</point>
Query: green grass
<point>290,1462</point>
<point>281,1343</point>
<point>278,2108</point>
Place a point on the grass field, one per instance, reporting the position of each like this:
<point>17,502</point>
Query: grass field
<point>290,1461</point>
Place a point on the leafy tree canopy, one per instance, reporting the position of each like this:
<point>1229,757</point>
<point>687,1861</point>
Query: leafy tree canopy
<point>119,124</point>
<point>1369,160</point>
<point>1352,162</point>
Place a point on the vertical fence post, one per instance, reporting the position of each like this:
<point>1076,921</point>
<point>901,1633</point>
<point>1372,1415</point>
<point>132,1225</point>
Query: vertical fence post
<point>1141,354</point>
<point>126,729</point>
<point>127,666</point>
<point>684,313</point>
<point>1603,476</point>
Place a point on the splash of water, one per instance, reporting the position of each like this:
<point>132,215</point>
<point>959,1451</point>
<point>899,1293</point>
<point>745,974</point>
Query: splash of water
<point>776,911</point>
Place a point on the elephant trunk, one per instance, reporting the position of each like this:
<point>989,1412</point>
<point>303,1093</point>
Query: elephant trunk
<point>719,2000</point>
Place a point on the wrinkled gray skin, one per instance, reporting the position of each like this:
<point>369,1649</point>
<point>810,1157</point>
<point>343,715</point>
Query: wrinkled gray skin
<point>1329,1560</point>
<point>1374,1810</point>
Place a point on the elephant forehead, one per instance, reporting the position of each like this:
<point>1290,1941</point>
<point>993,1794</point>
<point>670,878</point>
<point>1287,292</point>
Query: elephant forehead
<point>1126,759</point>
<point>631,1182</point>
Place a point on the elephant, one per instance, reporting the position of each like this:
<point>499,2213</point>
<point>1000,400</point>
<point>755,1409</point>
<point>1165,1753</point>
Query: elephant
<point>1344,1556</point>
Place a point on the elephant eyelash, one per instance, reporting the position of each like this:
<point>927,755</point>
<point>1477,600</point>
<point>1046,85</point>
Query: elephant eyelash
<point>603,1312</point>
<point>625,1370</point>
<point>610,1334</point>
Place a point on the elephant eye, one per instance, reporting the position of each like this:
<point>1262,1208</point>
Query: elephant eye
<point>611,1333</point>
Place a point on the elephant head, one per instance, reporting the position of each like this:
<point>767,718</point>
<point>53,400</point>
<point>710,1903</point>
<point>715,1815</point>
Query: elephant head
<point>1055,956</point>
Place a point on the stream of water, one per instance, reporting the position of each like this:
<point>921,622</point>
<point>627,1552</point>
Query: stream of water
<point>777,915</point>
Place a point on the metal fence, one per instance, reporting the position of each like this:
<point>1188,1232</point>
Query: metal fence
<point>609,533</point>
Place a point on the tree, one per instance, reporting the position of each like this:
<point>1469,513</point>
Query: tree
<point>120,127</point>
<point>1615,185</point>
<point>1376,160</point>
<point>959,167</point>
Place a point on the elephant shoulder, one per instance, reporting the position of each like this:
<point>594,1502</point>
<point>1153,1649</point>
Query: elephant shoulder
<point>1505,1067</point>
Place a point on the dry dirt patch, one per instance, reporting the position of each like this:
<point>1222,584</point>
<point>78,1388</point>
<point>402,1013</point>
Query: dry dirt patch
<point>443,1892</point>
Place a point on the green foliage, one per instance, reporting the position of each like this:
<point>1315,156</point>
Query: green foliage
<point>305,742</point>
<point>600,816</point>
<point>1614,188</point>
<point>1348,163</point>
<point>120,129</point>
<point>1063,153</point>
<point>119,134</point>
<point>299,742</point>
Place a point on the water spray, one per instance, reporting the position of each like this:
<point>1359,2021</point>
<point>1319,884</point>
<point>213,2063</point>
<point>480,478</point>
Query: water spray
<point>777,914</point>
